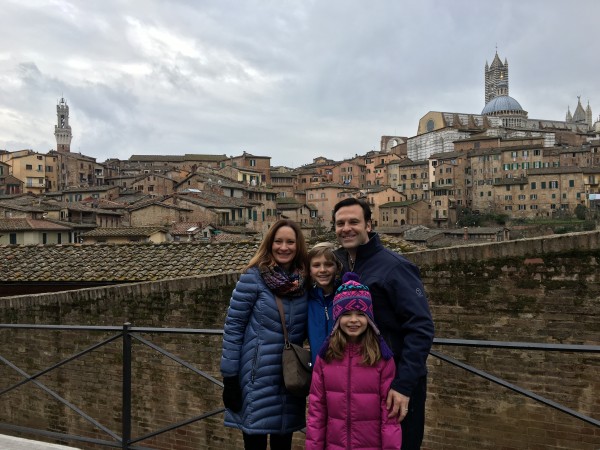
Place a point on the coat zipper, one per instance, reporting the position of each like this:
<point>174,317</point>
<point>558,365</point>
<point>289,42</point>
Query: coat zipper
<point>348,412</point>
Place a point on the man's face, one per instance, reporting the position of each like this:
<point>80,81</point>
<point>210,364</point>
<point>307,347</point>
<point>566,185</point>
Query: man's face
<point>350,226</point>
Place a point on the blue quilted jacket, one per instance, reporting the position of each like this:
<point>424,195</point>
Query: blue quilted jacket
<point>252,348</point>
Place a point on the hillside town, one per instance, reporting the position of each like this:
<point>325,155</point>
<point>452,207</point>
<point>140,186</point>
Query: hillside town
<point>495,162</point>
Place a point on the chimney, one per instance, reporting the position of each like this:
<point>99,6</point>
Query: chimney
<point>466,234</point>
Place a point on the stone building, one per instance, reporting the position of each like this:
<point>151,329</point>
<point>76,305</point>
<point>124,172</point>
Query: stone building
<point>410,177</point>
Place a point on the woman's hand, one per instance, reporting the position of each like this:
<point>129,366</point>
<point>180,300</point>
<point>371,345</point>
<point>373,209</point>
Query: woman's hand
<point>232,394</point>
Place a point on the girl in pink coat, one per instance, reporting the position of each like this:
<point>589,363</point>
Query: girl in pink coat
<point>351,379</point>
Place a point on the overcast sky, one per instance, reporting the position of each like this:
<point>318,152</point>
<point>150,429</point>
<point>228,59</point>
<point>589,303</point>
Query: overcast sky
<point>290,79</point>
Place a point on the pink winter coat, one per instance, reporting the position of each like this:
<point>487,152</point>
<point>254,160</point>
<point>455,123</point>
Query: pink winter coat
<point>346,405</point>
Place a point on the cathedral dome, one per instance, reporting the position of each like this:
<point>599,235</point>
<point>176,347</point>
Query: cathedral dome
<point>501,103</point>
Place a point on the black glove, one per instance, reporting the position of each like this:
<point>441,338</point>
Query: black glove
<point>232,394</point>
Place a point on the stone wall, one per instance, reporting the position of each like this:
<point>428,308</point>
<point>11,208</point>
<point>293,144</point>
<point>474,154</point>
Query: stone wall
<point>540,290</point>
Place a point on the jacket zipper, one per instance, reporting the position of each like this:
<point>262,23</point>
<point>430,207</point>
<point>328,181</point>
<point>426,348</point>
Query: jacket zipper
<point>348,412</point>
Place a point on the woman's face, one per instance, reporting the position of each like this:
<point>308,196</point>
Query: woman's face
<point>322,272</point>
<point>284,247</point>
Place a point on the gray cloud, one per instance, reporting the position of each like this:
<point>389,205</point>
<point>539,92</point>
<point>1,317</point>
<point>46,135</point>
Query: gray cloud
<point>291,80</point>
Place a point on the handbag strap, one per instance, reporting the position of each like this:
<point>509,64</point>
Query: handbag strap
<point>282,317</point>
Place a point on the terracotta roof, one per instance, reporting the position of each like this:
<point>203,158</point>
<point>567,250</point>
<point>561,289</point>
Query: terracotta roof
<point>30,224</point>
<point>125,231</point>
<point>125,262</point>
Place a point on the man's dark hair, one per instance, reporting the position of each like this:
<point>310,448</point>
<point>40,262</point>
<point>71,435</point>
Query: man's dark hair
<point>353,201</point>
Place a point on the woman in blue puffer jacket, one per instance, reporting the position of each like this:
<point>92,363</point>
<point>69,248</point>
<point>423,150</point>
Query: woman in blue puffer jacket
<point>254,394</point>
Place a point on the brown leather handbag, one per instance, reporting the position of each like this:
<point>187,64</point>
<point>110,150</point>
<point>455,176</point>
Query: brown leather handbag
<point>296,362</point>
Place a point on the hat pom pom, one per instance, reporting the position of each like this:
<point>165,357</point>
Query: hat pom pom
<point>350,276</point>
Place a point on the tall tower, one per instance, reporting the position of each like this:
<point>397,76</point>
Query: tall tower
<point>493,75</point>
<point>62,130</point>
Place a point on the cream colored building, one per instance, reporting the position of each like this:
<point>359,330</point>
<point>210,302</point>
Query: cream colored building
<point>411,178</point>
<point>29,167</point>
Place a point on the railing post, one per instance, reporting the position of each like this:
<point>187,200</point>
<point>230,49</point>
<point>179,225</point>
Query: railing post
<point>126,405</point>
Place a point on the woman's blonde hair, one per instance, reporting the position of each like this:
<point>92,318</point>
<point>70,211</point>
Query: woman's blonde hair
<point>325,249</point>
<point>264,255</point>
<point>370,349</point>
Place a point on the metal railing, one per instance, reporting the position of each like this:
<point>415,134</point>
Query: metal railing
<point>128,333</point>
<point>571,348</point>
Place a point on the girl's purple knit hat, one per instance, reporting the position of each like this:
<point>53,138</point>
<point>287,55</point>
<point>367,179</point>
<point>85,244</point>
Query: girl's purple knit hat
<point>354,296</point>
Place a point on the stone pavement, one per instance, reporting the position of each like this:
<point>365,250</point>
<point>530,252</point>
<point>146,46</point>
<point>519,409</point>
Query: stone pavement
<point>14,443</point>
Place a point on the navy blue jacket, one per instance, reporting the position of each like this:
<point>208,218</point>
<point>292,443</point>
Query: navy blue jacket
<point>320,319</point>
<point>400,307</point>
<point>252,348</point>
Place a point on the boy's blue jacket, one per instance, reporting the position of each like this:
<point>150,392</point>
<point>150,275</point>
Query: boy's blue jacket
<point>320,319</point>
<point>400,306</point>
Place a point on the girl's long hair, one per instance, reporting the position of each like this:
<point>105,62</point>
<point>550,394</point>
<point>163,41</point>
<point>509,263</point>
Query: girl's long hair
<point>263,257</point>
<point>370,349</point>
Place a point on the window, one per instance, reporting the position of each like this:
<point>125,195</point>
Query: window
<point>252,163</point>
<point>537,152</point>
<point>533,186</point>
<point>525,153</point>
<point>571,183</point>
<point>13,238</point>
<point>554,185</point>
<point>28,167</point>
<point>533,197</point>
<point>533,207</point>
<point>543,185</point>
<point>44,238</point>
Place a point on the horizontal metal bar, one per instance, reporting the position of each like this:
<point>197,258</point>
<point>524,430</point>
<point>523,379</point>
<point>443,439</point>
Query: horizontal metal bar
<point>516,388</point>
<point>177,359</point>
<point>210,331</point>
<point>518,345</point>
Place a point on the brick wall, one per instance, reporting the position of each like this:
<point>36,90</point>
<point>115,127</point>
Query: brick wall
<point>538,290</point>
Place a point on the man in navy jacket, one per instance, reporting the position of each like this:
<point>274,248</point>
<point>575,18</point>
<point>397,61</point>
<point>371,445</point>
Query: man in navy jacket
<point>401,312</point>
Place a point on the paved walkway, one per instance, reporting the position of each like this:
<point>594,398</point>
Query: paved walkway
<point>14,443</point>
